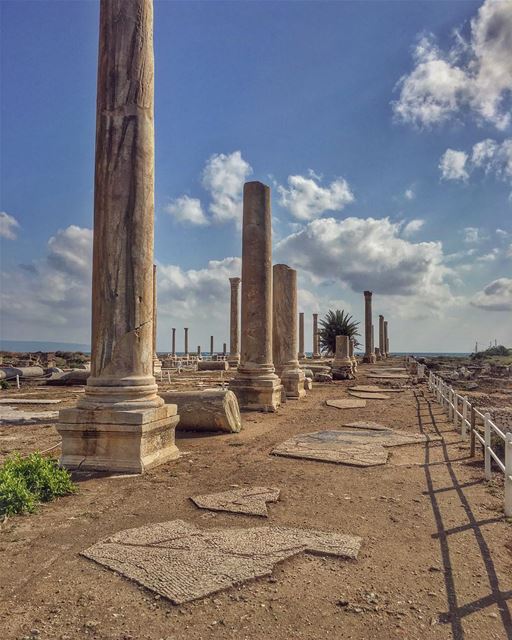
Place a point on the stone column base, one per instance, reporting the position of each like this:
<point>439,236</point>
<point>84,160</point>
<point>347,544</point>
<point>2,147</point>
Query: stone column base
<point>342,371</point>
<point>293,383</point>
<point>233,361</point>
<point>257,393</point>
<point>369,359</point>
<point>119,441</point>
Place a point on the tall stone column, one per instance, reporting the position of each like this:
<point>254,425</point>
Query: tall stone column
<point>211,345</point>
<point>386,338</point>
<point>284,331</point>
<point>234,348</point>
<point>120,423</point>
<point>316,350</point>
<point>186,342</point>
<point>173,343</point>
<point>199,352</point>
<point>224,349</point>
<point>369,356</point>
<point>157,365</point>
<point>256,385</point>
<point>382,346</point>
<point>301,354</point>
<point>342,364</point>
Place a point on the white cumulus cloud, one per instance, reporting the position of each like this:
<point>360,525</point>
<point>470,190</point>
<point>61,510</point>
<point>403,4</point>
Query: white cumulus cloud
<point>8,226</point>
<point>224,177</point>
<point>496,296</point>
<point>53,293</point>
<point>369,254</point>
<point>473,75</point>
<point>490,156</point>
<point>453,165</point>
<point>187,210</point>
<point>412,227</point>
<point>306,199</point>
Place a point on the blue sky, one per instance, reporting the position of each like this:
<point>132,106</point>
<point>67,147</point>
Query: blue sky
<point>383,128</point>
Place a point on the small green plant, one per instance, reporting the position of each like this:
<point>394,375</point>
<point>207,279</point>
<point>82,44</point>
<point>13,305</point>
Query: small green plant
<point>27,481</point>
<point>4,384</point>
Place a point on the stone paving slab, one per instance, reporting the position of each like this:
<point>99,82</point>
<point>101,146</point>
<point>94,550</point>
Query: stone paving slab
<point>367,424</point>
<point>372,388</point>
<point>249,500</point>
<point>355,448</point>
<point>346,403</point>
<point>11,415</point>
<point>30,401</point>
<point>369,395</point>
<point>182,562</point>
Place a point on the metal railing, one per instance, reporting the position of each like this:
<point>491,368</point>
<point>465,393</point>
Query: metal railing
<point>461,412</point>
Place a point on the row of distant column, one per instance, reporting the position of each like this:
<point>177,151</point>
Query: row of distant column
<point>371,352</point>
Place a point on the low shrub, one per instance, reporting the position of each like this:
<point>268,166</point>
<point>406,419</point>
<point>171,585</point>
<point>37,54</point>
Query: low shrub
<point>27,481</point>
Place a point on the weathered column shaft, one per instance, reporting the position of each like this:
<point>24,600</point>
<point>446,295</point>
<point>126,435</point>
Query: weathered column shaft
<point>173,343</point>
<point>386,338</point>
<point>186,340</point>
<point>122,338</point>
<point>234,346</point>
<point>316,351</point>
<point>256,384</point>
<point>284,330</point>
<point>369,355</point>
<point>211,345</point>
<point>301,336</point>
<point>382,345</point>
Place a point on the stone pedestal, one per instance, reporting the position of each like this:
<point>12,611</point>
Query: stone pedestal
<point>301,355</point>
<point>284,331</point>
<point>256,385</point>
<point>120,423</point>
<point>352,355</point>
<point>342,364</point>
<point>118,441</point>
<point>369,355</point>
<point>377,354</point>
<point>234,348</point>
<point>316,350</point>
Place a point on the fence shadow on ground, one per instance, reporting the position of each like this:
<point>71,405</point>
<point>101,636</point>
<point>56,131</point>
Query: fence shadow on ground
<point>428,414</point>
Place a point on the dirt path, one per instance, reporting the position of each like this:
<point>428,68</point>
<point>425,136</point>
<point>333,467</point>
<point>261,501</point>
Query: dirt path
<point>435,563</point>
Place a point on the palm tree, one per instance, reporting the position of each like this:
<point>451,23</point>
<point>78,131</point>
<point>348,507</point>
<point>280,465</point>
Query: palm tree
<point>336,323</point>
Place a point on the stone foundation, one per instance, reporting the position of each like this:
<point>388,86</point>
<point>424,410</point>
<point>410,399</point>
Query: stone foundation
<point>118,441</point>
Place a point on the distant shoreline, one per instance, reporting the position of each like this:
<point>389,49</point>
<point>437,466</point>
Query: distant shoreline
<point>28,346</point>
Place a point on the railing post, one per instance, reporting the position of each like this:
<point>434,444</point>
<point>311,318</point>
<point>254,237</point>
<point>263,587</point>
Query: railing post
<point>463,429</point>
<point>472,437</point>
<point>487,439</point>
<point>450,403</point>
<point>508,474</point>
<point>455,409</point>
<point>17,381</point>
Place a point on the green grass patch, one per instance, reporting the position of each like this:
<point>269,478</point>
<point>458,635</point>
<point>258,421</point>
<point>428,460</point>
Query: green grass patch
<point>27,481</point>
